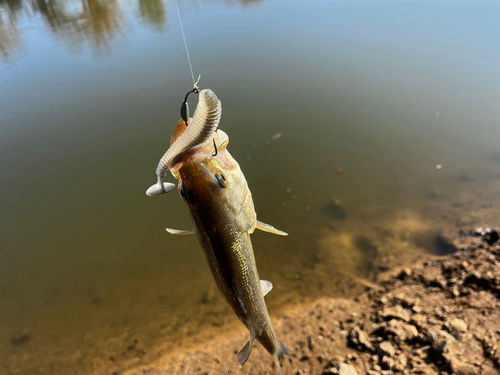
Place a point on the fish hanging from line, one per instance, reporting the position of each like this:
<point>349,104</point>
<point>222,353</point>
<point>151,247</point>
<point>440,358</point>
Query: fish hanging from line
<point>220,202</point>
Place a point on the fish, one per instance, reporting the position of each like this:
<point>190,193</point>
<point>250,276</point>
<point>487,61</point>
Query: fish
<point>211,183</point>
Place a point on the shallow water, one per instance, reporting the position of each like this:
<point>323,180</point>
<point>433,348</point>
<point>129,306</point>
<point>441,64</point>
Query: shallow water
<point>89,92</point>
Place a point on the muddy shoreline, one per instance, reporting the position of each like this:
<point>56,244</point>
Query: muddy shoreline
<point>439,316</point>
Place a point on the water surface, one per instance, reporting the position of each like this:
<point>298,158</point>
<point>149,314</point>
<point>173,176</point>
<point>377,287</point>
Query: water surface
<point>90,90</point>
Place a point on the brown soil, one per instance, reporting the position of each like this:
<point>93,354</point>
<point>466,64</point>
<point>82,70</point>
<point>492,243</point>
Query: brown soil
<point>438,317</point>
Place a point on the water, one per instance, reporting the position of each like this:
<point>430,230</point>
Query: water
<point>89,92</point>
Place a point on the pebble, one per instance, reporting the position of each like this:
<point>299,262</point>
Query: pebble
<point>387,363</point>
<point>345,369</point>
<point>395,313</point>
<point>386,349</point>
<point>357,337</point>
<point>404,274</point>
<point>459,325</point>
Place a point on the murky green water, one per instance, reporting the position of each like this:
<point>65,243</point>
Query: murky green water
<point>90,90</point>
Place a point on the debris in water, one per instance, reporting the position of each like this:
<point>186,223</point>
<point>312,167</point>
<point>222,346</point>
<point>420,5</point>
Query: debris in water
<point>276,136</point>
<point>335,209</point>
<point>339,171</point>
<point>20,337</point>
<point>249,157</point>
<point>439,166</point>
<point>438,115</point>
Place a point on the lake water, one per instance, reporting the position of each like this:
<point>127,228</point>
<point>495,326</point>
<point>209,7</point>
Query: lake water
<point>389,119</point>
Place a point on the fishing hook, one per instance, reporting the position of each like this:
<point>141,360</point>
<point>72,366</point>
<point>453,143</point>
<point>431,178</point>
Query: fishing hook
<point>185,106</point>
<point>215,146</point>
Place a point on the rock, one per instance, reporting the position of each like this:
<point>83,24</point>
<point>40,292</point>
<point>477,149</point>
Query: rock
<point>345,369</point>
<point>490,236</point>
<point>330,371</point>
<point>459,325</point>
<point>458,367</point>
<point>336,210</point>
<point>387,363</point>
<point>357,337</point>
<point>403,331</point>
<point>404,274</point>
<point>401,364</point>
<point>395,313</point>
<point>386,349</point>
<point>442,246</point>
<point>20,337</point>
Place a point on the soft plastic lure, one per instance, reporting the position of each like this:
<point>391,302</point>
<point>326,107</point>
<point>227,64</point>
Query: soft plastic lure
<point>204,124</point>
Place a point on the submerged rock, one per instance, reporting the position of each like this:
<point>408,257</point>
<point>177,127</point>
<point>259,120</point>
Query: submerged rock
<point>20,337</point>
<point>335,210</point>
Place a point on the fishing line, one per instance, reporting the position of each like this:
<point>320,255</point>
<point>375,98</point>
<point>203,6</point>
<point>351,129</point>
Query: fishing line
<point>195,84</point>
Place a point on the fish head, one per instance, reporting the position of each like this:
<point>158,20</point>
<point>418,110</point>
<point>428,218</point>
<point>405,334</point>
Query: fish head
<point>214,187</point>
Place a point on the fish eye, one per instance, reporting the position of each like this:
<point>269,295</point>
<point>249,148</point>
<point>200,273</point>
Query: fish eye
<point>221,180</point>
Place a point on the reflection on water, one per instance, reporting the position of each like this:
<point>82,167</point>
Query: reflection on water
<point>10,37</point>
<point>92,21</point>
<point>154,12</point>
<point>330,108</point>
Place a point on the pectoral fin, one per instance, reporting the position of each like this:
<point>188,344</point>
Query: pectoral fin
<point>244,353</point>
<point>180,231</point>
<point>269,228</point>
<point>265,286</point>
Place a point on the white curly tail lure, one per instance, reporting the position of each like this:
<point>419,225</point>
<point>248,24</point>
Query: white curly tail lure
<point>204,124</point>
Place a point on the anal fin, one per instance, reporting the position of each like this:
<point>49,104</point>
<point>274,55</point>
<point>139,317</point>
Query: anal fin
<point>269,228</point>
<point>244,353</point>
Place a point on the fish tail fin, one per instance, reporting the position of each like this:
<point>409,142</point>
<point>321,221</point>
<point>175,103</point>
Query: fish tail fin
<point>160,188</point>
<point>282,350</point>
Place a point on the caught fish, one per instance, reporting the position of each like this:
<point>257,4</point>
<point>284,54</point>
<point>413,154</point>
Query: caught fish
<point>221,206</point>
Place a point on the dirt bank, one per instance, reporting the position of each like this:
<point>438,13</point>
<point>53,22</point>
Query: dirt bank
<point>441,316</point>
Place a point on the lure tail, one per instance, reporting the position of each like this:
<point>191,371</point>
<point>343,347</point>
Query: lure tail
<point>160,188</point>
